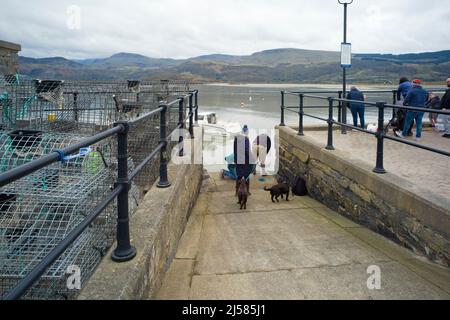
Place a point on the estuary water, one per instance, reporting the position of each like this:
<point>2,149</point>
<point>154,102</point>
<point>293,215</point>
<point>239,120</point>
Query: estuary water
<point>258,105</point>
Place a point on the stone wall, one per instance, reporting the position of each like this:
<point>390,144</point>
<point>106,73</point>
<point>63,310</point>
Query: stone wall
<point>9,59</point>
<point>385,203</point>
<point>155,230</point>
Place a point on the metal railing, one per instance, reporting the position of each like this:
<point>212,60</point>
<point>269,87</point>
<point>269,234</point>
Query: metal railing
<point>339,94</point>
<point>380,134</point>
<point>124,251</point>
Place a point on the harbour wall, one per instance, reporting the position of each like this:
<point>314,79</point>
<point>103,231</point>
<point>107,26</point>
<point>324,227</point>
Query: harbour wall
<point>385,203</point>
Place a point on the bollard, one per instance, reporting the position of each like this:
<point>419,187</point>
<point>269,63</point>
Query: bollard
<point>330,125</point>
<point>380,138</point>
<point>163,180</point>
<point>340,107</point>
<point>300,116</point>
<point>282,110</point>
<point>124,250</point>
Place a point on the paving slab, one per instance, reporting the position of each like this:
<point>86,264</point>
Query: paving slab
<point>177,281</point>
<point>276,285</point>
<point>336,217</point>
<point>289,250</point>
<point>349,282</point>
<point>248,242</point>
<point>259,201</point>
<point>201,206</point>
<point>332,283</point>
<point>190,240</point>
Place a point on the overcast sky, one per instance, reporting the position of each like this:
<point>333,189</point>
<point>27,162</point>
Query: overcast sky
<point>182,29</point>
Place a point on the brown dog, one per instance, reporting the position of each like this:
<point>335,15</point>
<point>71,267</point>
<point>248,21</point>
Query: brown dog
<point>242,193</point>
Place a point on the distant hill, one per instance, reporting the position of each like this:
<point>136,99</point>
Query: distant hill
<point>414,58</point>
<point>124,59</point>
<point>276,65</point>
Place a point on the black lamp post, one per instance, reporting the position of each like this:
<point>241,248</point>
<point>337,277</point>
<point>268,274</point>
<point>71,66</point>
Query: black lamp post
<point>344,65</point>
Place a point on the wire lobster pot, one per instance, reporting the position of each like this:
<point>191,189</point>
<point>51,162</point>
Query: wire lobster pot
<point>83,107</point>
<point>39,210</point>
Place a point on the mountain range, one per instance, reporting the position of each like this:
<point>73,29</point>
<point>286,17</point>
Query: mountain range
<point>269,66</point>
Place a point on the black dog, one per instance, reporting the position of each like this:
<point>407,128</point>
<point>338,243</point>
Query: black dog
<point>278,190</point>
<point>242,193</point>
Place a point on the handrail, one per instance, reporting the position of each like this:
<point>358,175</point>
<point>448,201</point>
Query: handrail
<point>379,134</point>
<point>124,250</point>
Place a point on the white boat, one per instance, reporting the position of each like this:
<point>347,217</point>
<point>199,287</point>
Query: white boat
<point>211,125</point>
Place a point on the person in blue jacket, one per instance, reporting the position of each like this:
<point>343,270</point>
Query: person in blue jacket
<point>231,166</point>
<point>356,108</point>
<point>404,85</point>
<point>416,97</point>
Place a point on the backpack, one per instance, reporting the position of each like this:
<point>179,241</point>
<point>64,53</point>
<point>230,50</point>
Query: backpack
<point>299,187</point>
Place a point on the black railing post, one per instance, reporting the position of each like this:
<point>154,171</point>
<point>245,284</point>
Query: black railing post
<point>344,112</point>
<point>124,250</point>
<point>394,102</point>
<point>300,116</point>
<point>191,117</point>
<point>380,138</point>
<point>163,180</point>
<point>340,107</point>
<point>330,125</point>
<point>196,106</point>
<point>181,124</point>
<point>282,109</point>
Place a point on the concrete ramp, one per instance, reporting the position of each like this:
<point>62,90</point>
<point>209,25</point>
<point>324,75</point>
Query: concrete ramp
<point>296,249</point>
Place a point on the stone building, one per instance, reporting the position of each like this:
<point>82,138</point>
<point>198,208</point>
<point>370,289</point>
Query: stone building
<point>9,58</point>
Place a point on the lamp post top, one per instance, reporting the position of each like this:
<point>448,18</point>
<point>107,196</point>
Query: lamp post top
<point>345,1</point>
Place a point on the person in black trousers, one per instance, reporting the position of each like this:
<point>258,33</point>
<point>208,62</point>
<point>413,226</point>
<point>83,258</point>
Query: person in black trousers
<point>243,157</point>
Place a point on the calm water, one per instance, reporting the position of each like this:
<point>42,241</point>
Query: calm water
<point>261,104</point>
<point>260,110</point>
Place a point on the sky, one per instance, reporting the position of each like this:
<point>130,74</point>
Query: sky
<point>182,29</point>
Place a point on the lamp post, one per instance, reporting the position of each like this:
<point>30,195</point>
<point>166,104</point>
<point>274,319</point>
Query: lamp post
<point>345,63</point>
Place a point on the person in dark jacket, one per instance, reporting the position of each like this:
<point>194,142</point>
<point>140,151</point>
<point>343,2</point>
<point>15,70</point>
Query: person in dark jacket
<point>445,101</point>
<point>404,85</point>
<point>433,103</point>
<point>243,157</point>
<point>261,147</point>
<point>416,97</point>
<point>356,108</point>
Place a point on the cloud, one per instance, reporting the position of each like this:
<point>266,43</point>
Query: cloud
<point>181,29</point>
